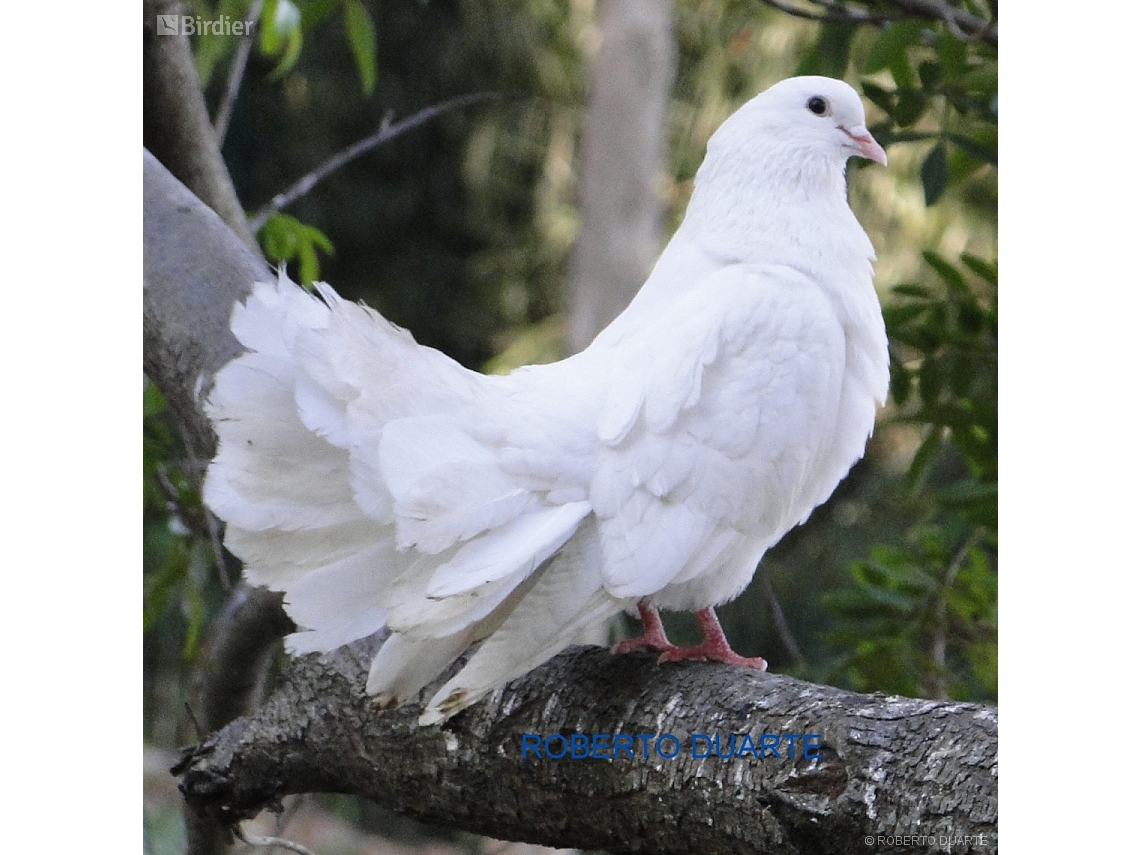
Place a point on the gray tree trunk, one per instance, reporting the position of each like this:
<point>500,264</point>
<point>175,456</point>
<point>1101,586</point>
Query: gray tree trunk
<point>623,151</point>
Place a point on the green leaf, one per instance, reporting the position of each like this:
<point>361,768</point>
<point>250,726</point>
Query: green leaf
<point>968,493</point>
<point>970,319</point>
<point>830,55</point>
<point>270,38</point>
<point>210,48</point>
<point>153,400</point>
<point>924,456</point>
<point>908,289</point>
<point>982,79</point>
<point>909,107</point>
<point>974,148</point>
<point>315,11</point>
<point>900,383</point>
<point>947,271</point>
<point>281,34</point>
<point>362,39</point>
<point>160,587</point>
<point>930,381</point>
<point>951,54</point>
<point>898,314</point>
<point>987,270</point>
<point>288,58</point>
<point>930,74</point>
<point>901,71</point>
<point>890,47</point>
<point>935,174</point>
<point>880,97</point>
<point>285,238</point>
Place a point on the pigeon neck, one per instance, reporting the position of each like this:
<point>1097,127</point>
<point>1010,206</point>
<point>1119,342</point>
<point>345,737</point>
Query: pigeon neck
<point>774,210</point>
<point>740,215</point>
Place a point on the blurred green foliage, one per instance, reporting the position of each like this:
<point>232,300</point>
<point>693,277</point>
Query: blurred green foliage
<point>461,231</point>
<point>175,559</point>
<point>922,616</point>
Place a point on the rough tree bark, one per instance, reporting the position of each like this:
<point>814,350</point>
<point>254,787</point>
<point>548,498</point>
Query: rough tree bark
<point>906,775</point>
<point>890,769</point>
<point>194,270</point>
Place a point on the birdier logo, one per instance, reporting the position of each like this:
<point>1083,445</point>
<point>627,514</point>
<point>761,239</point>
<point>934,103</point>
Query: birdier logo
<point>193,25</point>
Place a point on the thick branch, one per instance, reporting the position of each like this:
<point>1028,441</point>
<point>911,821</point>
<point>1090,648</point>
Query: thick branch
<point>194,270</point>
<point>887,766</point>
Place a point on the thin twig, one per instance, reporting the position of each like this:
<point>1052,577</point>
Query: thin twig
<point>201,733</point>
<point>213,532</point>
<point>963,25</point>
<point>781,624</point>
<point>188,518</point>
<point>834,13</point>
<point>237,72</point>
<point>940,690</point>
<point>292,808</point>
<point>386,132</point>
<point>255,840</point>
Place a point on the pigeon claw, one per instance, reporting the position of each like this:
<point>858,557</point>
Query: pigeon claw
<point>643,642</point>
<point>704,653</point>
<point>652,638</point>
<point>715,647</point>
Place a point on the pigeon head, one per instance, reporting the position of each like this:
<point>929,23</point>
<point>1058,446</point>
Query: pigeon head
<point>815,116</point>
<point>806,120</point>
<point>776,167</point>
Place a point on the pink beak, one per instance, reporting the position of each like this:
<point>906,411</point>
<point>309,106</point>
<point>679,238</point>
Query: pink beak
<point>866,144</point>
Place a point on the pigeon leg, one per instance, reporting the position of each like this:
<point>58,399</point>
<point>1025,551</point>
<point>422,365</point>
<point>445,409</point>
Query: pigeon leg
<point>714,648</point>
<point>652,638</point>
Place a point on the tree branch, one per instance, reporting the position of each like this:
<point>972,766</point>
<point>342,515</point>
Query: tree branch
<point>237,72</point>
<point>385,132</point>
<point>962,24</point>
<point>833,13</point>
<point>887,766</point>
<point>194,270</point>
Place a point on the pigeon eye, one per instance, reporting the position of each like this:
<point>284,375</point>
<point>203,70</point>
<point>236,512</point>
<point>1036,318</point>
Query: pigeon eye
<point>818,105</point>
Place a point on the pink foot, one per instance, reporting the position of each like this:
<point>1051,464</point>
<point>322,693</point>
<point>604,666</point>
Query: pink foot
<point>652,638</point>
<point>714,648</point>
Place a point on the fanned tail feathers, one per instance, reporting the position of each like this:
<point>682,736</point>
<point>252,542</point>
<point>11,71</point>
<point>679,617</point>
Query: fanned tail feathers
<point>349,479</point>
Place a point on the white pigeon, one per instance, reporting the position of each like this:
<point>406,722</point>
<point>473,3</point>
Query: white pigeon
<point>379,483</point>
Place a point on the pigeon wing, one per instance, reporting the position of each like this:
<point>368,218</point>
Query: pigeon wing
<point>709,445</point>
